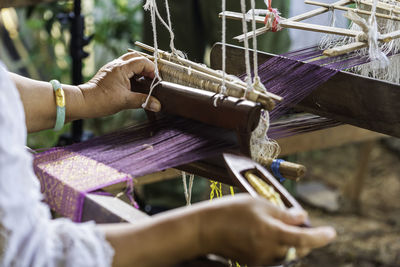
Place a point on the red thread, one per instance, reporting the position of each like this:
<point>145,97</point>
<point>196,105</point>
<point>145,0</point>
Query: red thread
<point>275,23</point>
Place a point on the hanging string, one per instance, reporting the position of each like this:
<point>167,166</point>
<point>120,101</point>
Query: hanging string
<point>375,52</point>
<point>261,145</point>
<point>222,92</point>
<point>246,46</point>
<point>257,85</point>
<point>188,189</point>
<point>370,34</point>
<point>152,7</point>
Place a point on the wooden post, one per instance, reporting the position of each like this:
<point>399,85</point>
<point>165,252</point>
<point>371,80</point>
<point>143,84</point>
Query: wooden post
<point>355,185</point>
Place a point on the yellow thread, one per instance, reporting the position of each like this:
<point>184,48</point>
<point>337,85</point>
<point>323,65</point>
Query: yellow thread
<point>216,189</point>
<point>232,191</point>
<point>265,190</point>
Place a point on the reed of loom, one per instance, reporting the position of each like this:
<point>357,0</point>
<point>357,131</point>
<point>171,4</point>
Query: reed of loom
<point>296,23</point>
<point>185,72</point>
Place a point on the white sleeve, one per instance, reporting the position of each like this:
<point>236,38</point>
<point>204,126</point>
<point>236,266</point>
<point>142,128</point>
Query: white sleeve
<point>28,236</point>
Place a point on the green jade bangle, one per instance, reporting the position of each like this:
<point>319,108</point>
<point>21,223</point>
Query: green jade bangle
<point>60,103</point>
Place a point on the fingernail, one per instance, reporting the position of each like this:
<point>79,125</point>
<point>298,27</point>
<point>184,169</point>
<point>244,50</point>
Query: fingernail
<point>298,215</point>
<point>155,106</point>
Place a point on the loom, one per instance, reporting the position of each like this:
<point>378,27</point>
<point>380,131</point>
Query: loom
<point>346,97</point>
<point>240,117</point>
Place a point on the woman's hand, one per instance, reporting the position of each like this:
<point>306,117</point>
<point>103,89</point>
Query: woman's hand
<point>253,231</point>
<point>109,91</point>
<point>240,228</point>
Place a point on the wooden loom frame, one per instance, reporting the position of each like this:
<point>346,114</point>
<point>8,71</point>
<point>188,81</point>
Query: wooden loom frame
<point>296,23</point>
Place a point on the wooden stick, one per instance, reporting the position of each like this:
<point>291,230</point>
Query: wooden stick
<point>355,10</point>
<point>302,26</point>
<point>341,50</point>
<point>289,170</point>
<point>381,5</point>
<point>300,17</point>
<point>202,68</point>
<point>390,36</point>
<point>318,11</point>
<point>198,77</point>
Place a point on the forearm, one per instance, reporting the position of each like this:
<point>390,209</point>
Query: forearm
<point>40,105</point>
<point>163,240</point>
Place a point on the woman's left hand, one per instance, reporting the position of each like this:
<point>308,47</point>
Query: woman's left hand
<point>109,91</point>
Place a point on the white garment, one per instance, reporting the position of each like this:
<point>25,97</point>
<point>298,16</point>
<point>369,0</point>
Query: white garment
<point>28,236</point>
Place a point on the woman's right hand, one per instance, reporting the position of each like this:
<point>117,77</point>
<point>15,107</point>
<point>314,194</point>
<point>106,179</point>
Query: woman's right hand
<point>253,231</point>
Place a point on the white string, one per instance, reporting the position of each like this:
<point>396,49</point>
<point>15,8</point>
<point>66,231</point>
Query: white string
<point>223,88</point>
<point>246,46</point>
<point>188,189</point>
<point>375,52</point>
<point>257,85</point>
<point>253,25</point>
<point>222,93</point>
<point>261,146</point>
<point>151,6</point>
<point>168,26</point>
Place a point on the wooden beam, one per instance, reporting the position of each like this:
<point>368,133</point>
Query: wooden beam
<point>327,138</point>
<point>353,99</point>
<point>109,209</point>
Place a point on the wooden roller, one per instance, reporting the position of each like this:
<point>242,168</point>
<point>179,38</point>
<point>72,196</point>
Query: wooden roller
<point>289,170</point>
<point>230,113</point>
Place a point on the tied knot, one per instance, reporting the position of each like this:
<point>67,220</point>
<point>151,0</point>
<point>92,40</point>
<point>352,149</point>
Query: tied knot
<point>272,19</point>
<point>371,35</point>
<point>258,86</point>
<point>148,5</point>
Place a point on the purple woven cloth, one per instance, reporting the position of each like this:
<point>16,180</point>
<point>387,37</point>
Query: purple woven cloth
<point>67,174</point>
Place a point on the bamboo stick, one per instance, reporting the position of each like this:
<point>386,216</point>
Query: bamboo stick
<point>344,8</point>
<point>289,170</point>
<point>202,68</point>
<point>302,26</point>
<point>381,5</point>
<point>336,51</point>
<point>210,83</point>
<point>390,36</point>
<point>341,50</point>
<point>300,17</point>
